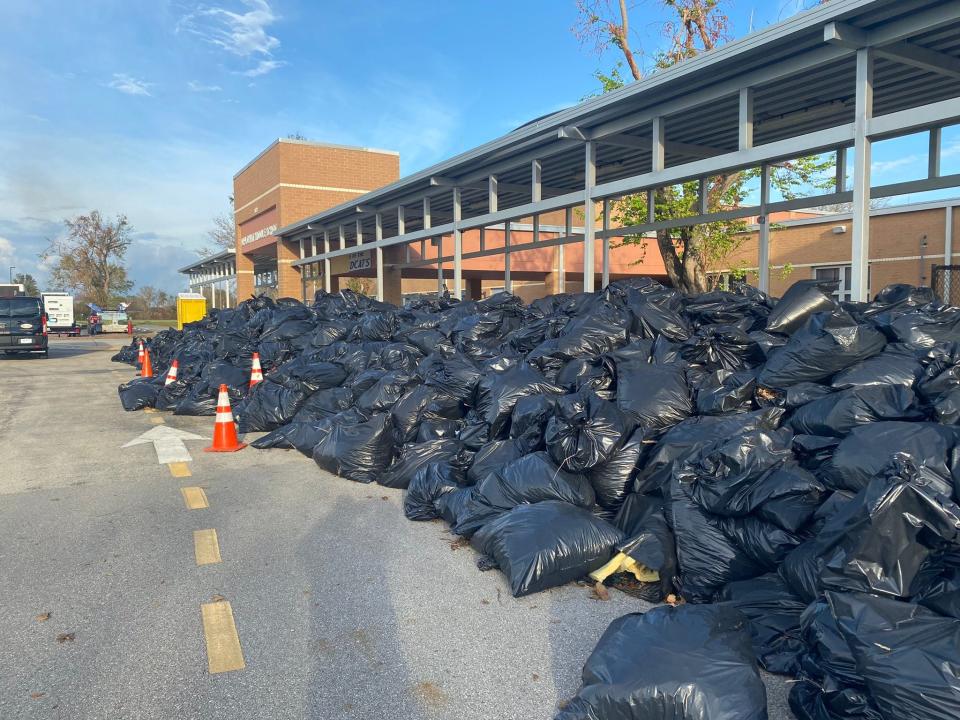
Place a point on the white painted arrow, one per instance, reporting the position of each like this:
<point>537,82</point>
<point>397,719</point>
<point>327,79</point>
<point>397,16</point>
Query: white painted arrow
<point>168,442</point>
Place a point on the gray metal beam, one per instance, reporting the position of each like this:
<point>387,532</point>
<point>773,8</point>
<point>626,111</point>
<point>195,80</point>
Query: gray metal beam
<point>378,236</point>
<point>860,237</point>
<point>589,213</point>
<point>457,246</point>
<point>839,33</point>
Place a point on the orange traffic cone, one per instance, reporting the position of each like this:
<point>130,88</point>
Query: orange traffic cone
<point>140,355</point>
<point>256,373</point>
<point>224,431</point>
<point>147,369</point>
<point>172,373</point>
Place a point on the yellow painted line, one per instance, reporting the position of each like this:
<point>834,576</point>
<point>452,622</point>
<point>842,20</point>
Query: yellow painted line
<point>194,497</point>
<point>179,469</point>
<point>223,643</point>
<point>205,547</point>
<point>157,420</point>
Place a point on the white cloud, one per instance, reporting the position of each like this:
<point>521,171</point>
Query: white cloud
<point>129,85</point>
<point>6,252</point>
<point>263,67</point>
<point>882,167</point>
<point>242,34</point>
<point>201,88</point>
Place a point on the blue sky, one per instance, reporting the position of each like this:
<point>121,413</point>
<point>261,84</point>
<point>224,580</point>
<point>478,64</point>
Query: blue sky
<point>149,107</point>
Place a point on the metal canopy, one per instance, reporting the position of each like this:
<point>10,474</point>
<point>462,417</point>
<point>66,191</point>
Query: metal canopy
<point>840,76</point>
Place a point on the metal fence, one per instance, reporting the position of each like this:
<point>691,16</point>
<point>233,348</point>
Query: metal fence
<point>946,283</point>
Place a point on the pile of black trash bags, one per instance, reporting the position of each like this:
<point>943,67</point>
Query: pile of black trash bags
<point>785,472</point>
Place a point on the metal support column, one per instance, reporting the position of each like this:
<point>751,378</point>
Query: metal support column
<point>947,253</point>
<point>359,232</point>
<point>562,253</point>
<point>326,262</point>
<point>860,269</point>
<point>933,158</point>
<point>507,281</point>
<point>536,195</point>
<point>458,246</point>
<point>589,213</point>
<point>763,261</point>
<point>378,236</point>
<point>343,237</point>
<point>605,265</point>
<point>746,118</point>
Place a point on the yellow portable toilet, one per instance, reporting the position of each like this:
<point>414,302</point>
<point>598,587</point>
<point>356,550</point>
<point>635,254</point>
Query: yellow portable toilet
<point>190,308</point>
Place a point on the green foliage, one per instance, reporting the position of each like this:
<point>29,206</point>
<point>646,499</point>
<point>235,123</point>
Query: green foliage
<point>29,283</point>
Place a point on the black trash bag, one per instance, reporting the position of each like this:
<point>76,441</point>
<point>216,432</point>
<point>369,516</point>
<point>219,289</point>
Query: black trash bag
<point>753,474</point>
<point>498,393</point>
<point>171,394</point>
<point>923,328</point>
<point>941,593</point>
<point>825,345</point>
<point>587,374</point>
<point>325,403</point>
<point>672,663</point>
<point>887,540</point>
<point>491,457</point>
<point>794,396</point>
<point>363,381</point>
<point>868,450</point>
<point>449,505</point>
<point>652,319</point>
<point>545,545</point>
<point>199,402</point>
<point>690,436</point>
<point>585,431</point>
<point>814,450</point>
<point>799,302</point>
<point>839,413</point>
<point>906,654</point>
<point>724,392</point>
<point>138,394</point>
<point>722,347</point>
<point>655,396</point>
<point>357,452</point>
<point>437,430</point>
<point>308,376</point>
<point>528,422</point>
<point>650,545</point>
<point>415,456</point>
<point>406,412</point>
<point>384,394</point>
<point>268,406</point>
<point>455,375</point>
<point>829,686</point>
<point>774,612</point>
<point>896,365</point>
<point>530,479</point>
<point>431,482</point>
<point>613,479</point>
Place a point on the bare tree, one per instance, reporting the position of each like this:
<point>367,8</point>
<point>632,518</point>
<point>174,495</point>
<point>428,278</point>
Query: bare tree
<point>89,258</point>
<point>223,235</point>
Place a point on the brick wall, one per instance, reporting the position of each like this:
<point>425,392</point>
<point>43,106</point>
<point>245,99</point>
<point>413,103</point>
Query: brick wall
<point>795,249</point>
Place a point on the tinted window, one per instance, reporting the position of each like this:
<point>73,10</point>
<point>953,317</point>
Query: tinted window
<point>24,307</point>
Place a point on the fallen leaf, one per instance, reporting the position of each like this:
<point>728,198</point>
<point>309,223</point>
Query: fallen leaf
<point>600,592</point>
<point>37,696</point>
<point>65,637</point>
<point>562,704</point>
<point>536,677</point>
<point>674,600</point>
<point>484,602</point>
<point>384,497</point>
<point>43,617</point>
<point>217,598</point>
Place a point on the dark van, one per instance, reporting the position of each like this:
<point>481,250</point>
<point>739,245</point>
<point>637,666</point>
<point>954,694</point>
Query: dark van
<point>23,325</point>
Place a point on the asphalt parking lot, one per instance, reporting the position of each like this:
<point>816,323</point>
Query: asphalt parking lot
<point>342,607</point>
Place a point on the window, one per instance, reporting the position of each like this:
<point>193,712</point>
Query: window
<point>840,278</point>
<point>21,307</point>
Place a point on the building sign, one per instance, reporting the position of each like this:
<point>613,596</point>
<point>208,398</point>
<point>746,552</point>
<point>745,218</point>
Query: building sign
<point>258,235</point>
<point>359,261</point>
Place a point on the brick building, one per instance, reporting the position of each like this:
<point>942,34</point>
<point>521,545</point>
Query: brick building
<point>288,181</point>
<point>905,242</point>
